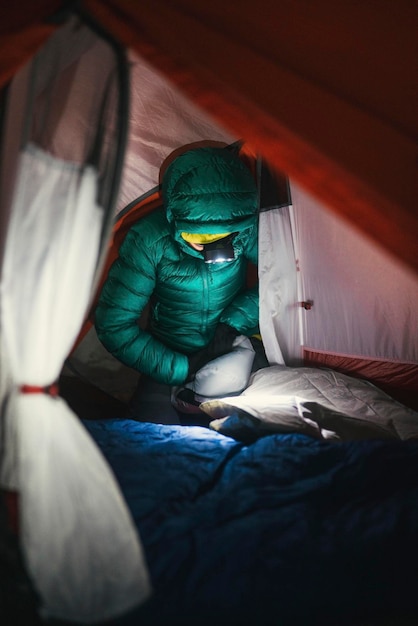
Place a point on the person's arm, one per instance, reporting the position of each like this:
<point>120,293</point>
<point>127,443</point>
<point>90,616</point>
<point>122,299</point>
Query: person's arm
<point>125,294</point>
<point>243,312</point>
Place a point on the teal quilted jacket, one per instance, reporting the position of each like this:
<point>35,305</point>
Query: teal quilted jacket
<point>208,190</point>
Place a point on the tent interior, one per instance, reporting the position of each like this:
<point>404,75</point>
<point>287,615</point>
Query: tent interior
<point>297,501</point>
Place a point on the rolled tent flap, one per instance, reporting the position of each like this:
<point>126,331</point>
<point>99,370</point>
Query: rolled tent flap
<point>80,546</point>
<point>279,311</point>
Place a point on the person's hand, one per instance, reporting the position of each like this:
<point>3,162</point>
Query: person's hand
<point>222,341</point>
<point>221,344</point>
<point>196,361</point>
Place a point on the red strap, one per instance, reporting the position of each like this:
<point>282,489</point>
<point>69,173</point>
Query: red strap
<point>50,390</point>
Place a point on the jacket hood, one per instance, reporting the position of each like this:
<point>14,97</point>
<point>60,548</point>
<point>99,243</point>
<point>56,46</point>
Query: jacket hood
<point>209,190</point>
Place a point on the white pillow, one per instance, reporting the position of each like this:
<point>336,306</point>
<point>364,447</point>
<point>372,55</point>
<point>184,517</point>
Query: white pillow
<point>316,401</point>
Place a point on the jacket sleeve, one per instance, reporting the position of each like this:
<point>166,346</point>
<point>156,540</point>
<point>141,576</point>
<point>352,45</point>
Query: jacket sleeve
<point>125,294</point>
<point>243,312</point>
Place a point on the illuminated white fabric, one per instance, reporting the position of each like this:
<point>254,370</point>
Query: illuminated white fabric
<point>162,119</point>
<point>78,539</point>
<point>227,374</point>
<point>318,402</point>
<point>365,302</point>
<point>279,310</point>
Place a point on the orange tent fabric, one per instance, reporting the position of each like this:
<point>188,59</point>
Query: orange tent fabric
<point>23,29</point>
<point>320,90</point>
<point>326,92</point>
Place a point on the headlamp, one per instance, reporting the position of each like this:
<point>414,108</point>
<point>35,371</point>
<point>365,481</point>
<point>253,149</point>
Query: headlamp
<point>220,250</point>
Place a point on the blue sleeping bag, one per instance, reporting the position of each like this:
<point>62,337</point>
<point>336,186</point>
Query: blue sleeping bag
<point>287,530</point>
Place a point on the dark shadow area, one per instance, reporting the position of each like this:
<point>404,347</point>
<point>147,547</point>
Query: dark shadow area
<point>19,603</point>
<point>88,401</point>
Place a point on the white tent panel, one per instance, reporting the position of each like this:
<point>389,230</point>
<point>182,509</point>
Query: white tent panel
<point>279,310</point>
<point>365,302</point>
<point>161,120</point>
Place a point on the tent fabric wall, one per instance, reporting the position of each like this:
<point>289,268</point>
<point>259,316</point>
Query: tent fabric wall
<point>326,93</point>
<point>321,92</point>
<point>161,120</point>
<point>23,30</point>
<point>278,287</point>
<point>364,303</point>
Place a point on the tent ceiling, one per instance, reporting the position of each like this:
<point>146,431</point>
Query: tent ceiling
<point>325,93</point>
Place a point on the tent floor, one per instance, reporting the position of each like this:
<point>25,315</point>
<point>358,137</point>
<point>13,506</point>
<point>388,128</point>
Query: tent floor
<point>88,401</point>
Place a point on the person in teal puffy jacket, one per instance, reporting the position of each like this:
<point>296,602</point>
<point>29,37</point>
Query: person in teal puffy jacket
<point>196,307</point>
